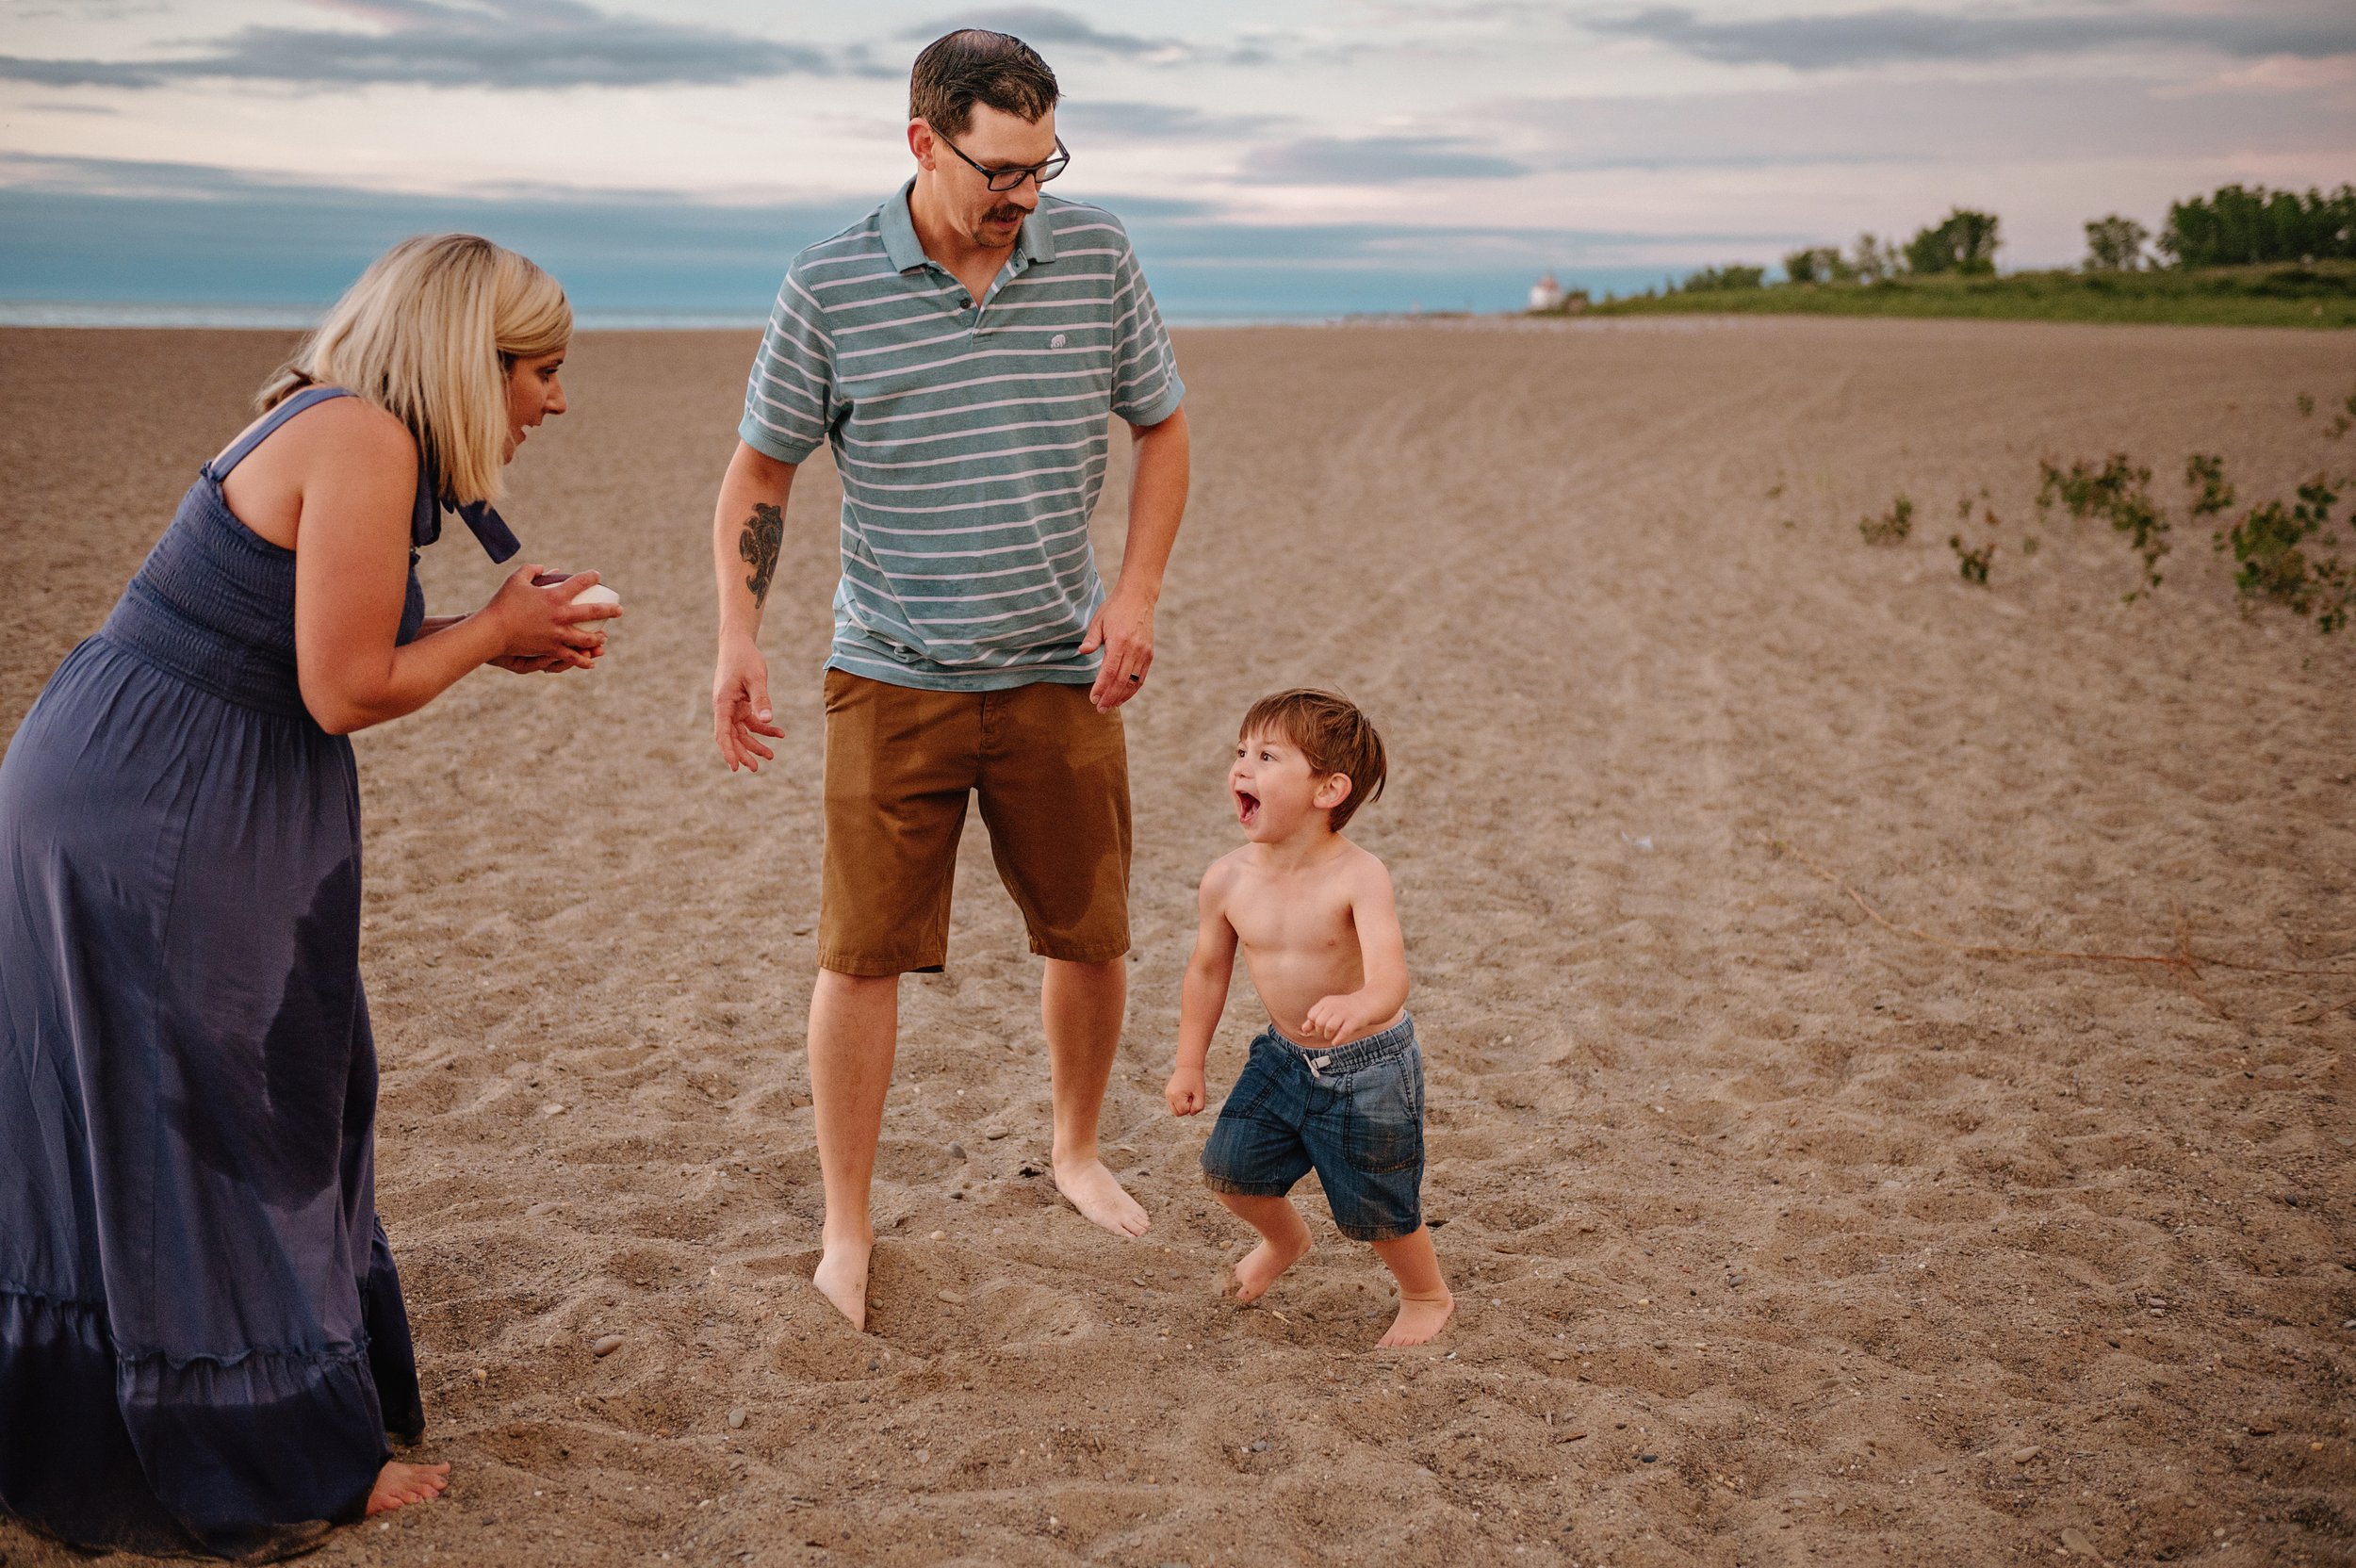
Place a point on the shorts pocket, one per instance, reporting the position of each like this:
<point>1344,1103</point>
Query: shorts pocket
<point>1383,1127</point>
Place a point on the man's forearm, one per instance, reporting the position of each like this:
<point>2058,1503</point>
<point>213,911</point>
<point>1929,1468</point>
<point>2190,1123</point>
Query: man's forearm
<point>747,535</point>
<point>1158,502</point>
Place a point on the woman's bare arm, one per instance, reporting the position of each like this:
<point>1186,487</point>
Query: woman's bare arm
<point>356,479</point>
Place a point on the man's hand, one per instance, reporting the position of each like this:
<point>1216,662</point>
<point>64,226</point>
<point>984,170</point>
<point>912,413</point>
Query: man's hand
<point>1123,627</point>
<point>740,704</point>
<point>1185,1091</point>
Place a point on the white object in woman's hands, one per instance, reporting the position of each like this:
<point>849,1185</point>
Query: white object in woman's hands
<point>597,593</point>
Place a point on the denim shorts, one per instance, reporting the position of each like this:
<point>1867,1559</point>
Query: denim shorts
<point>1352,1113</point>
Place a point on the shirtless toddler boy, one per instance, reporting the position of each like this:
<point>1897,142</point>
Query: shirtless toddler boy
<point>1335,1084</point>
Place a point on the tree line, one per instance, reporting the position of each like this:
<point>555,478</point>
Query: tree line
<point>2236,225</point>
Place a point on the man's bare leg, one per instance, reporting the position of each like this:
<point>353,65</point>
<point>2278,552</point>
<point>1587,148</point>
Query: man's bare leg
<point>854,1031</point>
<point>1424,1302</point>
<point>1082,1006</point>
<point>1283,1240</point>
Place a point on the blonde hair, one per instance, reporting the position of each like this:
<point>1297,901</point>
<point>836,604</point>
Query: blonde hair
<point>427,335</point>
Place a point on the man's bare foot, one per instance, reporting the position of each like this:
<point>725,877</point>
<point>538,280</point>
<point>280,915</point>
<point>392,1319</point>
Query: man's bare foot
<point>842,1278</point>
<point>1098,1196</point>
<point>1259,1269</point>
<point>1418,1319</point>
<point>399,1485</point>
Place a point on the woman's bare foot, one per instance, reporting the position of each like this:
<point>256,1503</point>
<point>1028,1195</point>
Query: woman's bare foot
<point>1419,1319</point>
<point>842,1278</point>
<point>1097,1194</point>
<point>399,1485</point>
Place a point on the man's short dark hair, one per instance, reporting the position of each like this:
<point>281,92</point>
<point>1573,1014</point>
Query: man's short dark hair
<point>972,66</point>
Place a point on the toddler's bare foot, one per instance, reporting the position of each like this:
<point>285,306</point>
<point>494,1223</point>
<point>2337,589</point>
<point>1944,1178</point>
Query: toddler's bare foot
<point>1259,1269</point>
<point>398,1485</point>
<point>1098,1196</point>
<point>1419,1318</point>
<point>842,1278</point>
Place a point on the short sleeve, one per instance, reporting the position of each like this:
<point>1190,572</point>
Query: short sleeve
<point>790,397</point>
<point>1146,388</point>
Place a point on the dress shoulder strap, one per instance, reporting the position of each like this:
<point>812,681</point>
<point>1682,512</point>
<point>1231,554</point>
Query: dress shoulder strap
<point>310,397</point>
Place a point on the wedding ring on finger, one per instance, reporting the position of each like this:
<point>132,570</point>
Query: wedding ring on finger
<point>1137,680</point>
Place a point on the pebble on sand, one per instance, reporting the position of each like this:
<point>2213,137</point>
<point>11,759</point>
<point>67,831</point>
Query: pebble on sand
<point>736,1419</point>
<point>605,1344</point>
<point>2022,1455</point>
<point>957,1150</point>
<point>2074,1539</point>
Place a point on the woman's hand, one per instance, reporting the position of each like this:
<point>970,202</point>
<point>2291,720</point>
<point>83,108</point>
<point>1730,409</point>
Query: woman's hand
<point>542,628</point>
<point>516,664</point>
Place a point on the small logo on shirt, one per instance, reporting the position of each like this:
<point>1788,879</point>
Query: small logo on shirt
<point>1057,341</point>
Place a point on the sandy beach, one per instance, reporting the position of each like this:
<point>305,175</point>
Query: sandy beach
<point>1782,1233</point>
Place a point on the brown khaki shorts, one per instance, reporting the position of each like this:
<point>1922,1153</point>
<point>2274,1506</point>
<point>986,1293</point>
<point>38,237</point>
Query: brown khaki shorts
<point>1053,774</point>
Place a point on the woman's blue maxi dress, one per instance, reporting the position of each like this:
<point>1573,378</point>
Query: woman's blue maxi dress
<point>202,1346</point>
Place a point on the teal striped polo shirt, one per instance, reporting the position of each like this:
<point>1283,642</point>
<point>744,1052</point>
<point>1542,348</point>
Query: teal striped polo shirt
<point>971,437</point>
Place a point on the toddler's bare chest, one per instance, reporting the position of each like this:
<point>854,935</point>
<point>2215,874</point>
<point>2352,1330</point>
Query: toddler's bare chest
<point>1317,928</point>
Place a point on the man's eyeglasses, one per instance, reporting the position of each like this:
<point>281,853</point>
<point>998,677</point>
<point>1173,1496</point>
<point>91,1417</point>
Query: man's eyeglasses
<point>1011,179</point>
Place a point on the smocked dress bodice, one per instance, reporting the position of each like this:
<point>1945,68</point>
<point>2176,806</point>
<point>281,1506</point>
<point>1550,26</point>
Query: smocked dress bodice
<point>214,602</point>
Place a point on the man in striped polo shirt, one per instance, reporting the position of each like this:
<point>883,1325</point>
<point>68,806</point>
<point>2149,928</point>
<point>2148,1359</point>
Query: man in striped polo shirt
<point>961,351</point>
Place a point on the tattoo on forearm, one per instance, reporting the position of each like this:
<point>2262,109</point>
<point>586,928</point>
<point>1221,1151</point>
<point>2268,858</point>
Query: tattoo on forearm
<point>764,536</point>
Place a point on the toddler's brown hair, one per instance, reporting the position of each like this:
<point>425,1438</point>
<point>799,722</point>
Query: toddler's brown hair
<point>1332,733</point>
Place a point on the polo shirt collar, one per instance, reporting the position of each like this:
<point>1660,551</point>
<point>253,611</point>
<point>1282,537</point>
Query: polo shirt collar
<point>1036,244</point>
<point>901,246</point>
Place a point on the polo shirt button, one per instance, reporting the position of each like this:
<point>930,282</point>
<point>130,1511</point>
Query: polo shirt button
<point>1057,341</point>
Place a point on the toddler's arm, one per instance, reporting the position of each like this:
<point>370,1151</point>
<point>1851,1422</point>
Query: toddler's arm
<point>1381,957</point>
<point>1203,997</point>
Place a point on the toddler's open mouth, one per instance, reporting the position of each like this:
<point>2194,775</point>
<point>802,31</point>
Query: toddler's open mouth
<point>1246,806</point>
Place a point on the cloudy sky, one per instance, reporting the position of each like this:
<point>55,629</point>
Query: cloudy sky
<point>1274,157</point>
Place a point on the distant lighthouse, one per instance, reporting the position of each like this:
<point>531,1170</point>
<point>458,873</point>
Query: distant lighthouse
<point>1546,294</point>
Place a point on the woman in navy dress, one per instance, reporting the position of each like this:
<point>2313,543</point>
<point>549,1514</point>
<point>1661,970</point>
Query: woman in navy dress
<point>202,1340</point>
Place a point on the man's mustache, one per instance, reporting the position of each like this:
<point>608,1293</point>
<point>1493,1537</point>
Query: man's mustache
<point>1008,213</point>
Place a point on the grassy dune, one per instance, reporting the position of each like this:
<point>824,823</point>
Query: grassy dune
<point>2319,295</point>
